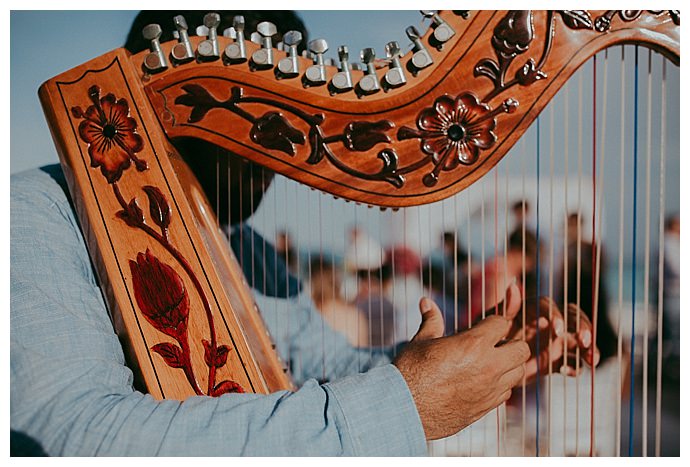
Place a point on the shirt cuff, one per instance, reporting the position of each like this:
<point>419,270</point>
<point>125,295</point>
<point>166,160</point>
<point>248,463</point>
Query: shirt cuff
<point>379,414</point>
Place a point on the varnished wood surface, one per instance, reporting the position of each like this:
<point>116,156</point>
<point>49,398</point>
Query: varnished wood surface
<point>113,244</point>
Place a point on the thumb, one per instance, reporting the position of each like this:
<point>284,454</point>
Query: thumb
<point>432,325</point>
<point>513,301</point>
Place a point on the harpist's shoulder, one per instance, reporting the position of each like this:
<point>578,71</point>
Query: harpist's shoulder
<point>40,203</point>
<point>41,184</point>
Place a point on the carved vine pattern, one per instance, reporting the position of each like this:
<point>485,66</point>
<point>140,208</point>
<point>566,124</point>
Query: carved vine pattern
<point>603,22</point>
<point>272,130</point>
<point>113,143</point>
<point>514,34</point>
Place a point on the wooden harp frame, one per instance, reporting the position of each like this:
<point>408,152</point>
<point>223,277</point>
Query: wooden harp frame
<point>151,233</point>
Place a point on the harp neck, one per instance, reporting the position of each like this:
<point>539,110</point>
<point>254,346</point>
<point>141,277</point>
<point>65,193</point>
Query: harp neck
<point>410,143</point>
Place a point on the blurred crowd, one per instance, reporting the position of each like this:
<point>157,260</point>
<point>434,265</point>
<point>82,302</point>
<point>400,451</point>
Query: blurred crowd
<point>370,294</point>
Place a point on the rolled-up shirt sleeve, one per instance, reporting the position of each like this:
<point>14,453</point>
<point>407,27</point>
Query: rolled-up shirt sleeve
<point>72,392</point>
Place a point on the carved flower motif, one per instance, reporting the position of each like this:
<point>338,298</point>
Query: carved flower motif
<point>513,34</point>
<point>273,131</point>
<point>110,134</point>
<point>160,294</point>
<point>456,126</point>
<point>362,136</point>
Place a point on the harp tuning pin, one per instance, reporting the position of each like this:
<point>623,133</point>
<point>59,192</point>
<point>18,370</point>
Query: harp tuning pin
<point>154,61</point>
<point>369,83</point>
<point>208,49</point>
<point>263,58</point>
<point>182,51</point>
<point>289,66</point>
<point>420,57</point>
<point>316,74</point>
<point>342,80</point>
<point>236,52</point>
<point>395,76</point>
<point>442,30</point>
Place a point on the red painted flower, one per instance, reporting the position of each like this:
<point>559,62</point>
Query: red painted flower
<point>160,294</point>
<point>110,133</point>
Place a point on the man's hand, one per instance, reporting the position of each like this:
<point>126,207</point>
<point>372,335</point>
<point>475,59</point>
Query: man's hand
<point>455,380</point>
<point>558,350</point>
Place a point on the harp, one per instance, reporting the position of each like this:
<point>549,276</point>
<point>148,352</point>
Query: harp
<point>425,128</point>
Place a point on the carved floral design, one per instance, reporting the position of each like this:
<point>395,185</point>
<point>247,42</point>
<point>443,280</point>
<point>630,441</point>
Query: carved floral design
<point>454,131</point>
<point>274,131</point>
<point>160,294</point>
<point>512,37</point>
<point>362,136</point>
<point>110,134</point>
<point>603,22</point>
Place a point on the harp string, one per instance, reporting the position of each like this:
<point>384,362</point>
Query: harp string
<point>660,306</point>
<point>538,285</point>
<point>551,270</point>
<point>321,278</point>
<point>495,297</point>
<point>645,303</point>
<point>634,259</point>
<point>566,151</point>
<point>594,266</point>
<point>621,242</point>
<point>505,279</point>
<point>578,267</point>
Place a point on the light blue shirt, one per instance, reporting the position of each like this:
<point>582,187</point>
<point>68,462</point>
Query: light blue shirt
<point>73,394</point>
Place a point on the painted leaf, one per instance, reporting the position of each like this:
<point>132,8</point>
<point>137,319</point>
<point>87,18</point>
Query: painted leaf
<point>158,207</point>
<point>221,354</point>
<point>577,19</point>
<point>489,68</point>
<point>171,353</point>
<point>274,131</point>
<point>132,215</point>
<point>199,99</point>
<point>528,74</point>
<point>318,147</point>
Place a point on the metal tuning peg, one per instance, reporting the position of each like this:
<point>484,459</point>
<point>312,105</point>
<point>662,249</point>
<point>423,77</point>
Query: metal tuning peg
<point>208,49</point>
<point>420,55</point>
<point>263,58</point>
<point>316,74</point>
<point>342,80</point>
<point>289,66</point>
<point>442,30</point>
<point>395,76</point>
<point>182,51</point>
<point>154,61</point>
<point>369,83</point>
<point>237,52</point>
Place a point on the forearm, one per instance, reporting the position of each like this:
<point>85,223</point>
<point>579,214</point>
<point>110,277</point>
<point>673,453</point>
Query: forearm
<point>94,415</point>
